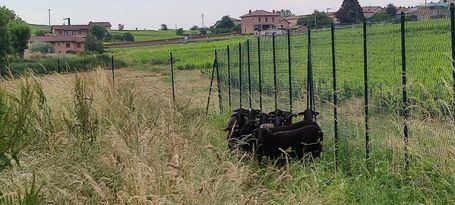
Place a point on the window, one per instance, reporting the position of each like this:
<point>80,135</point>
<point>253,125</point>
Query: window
<point>259,19</point>
<point>58,44</point>
<point>79,45</point>
<point>273,19</point>
<point>266,19</point>
<point>68,45</point>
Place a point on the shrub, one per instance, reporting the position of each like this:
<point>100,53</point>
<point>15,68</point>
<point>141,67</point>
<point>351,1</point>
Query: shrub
<point>40,32</point>
<point>41,47</point>
<point>180,32</point>
<point>128,37</point>
<point>93,45</point>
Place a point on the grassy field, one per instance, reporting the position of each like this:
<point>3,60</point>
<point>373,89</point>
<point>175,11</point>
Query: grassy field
<point>151,35</point>
<point>146,152</point>
<point>35,27</point>
<point>187,56</point>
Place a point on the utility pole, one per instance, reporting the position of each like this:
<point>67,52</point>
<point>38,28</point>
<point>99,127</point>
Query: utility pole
<point>203,23</point>
<point>49,12</point>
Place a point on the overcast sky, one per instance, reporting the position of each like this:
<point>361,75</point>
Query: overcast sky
<point>150,14</point>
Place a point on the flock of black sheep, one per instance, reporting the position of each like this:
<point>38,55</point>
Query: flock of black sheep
<point>273,135</point>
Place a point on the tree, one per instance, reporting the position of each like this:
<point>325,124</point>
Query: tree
<point>20,34</point>
<point>391,10</point>
<point>121,27</point>
<point>316,20</point>
<point>381,17</point>
<point>41,47</point>
<point>93,45</point>
<point>225,23</point>
<point>128,37</point>
<point>98,32</point>
<point>180,32</point>
<point>4,40</point>
<point>194,28</point>
<point>164,27</point>
<point>350,12</point>
<point>203,31</point>
<point>286,13</point>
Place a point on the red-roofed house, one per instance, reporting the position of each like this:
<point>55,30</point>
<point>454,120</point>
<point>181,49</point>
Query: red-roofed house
<point>62,44</point>
<point>369,11</point>
<point>70,30</point>
<point>260,20</point>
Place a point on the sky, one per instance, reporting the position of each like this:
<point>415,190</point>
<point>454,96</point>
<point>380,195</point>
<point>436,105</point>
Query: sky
<point>150,14</point>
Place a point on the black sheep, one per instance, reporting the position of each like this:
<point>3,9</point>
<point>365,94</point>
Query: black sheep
<point>306,139</point>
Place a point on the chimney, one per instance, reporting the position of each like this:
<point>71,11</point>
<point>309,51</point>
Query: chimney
<point>273,11</point>
<point>250,11</point>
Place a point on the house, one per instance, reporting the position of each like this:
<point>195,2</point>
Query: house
<point>260,20</point>
<point>62,44</point>
<point>407,10</point>
<point>70,30</point>
<point>369,11</point>
<point>105,25</point>
<point>432,11</point>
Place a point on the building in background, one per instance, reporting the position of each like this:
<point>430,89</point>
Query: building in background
<point>369,11</point>
<point>433,11</point>
<point>260,20</point>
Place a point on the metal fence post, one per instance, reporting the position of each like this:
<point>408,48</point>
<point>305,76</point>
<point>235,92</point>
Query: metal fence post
<point>240,73</point>
<point>365,70</point>
<point>452,26</point>
<point>249,72</point>
<point>335,96</point>
<point>274,71</point>
<point>218,79</point>
<point>290,71</point>
<point>113,69</point>
<point>260,72</point>
<point>229,76</point>
<point>58,66</point>
<point>210,90</point>
<point>310,82</point>
<point>405,112</point>
<point>172,79</point>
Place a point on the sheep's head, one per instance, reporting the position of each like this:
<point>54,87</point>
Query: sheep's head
<point>309,115</point>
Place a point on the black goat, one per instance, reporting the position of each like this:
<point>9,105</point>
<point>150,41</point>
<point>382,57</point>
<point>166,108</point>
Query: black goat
<point>306,139</point>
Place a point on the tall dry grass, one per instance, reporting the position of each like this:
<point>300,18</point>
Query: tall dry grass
<point>127,145</point>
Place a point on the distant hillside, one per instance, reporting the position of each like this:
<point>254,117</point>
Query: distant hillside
<point>36,27</point>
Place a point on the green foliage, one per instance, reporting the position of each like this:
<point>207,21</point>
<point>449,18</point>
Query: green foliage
<point>381,17</point>
<point>194,28</point>
<point>93,45</point>
<point>40,32</point>
<point>98,32</point>
<point>164,27</point>
<point>350,12</point>
<point>316,20</point>
<point>128,37</point>
<point>10,15</point>
<point>20,34</point>
<point>5,43</point>
<point>203,31</point>
<point>391,10</point>
<point>225,23</point>
<point>179,32</point>
<point>41,47</point>
<point>286,13</point>
<point>86,123</point>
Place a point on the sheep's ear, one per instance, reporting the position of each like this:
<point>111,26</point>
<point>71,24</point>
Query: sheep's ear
<point>316,113</point>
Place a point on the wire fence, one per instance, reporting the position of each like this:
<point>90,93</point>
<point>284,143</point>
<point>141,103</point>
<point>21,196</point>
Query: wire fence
<point>371,76</point>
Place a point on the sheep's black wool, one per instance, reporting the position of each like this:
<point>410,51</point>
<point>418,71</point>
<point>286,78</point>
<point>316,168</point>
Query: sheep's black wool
<point>269,134</point>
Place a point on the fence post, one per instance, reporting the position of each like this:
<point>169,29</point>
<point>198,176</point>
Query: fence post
<point>452,26</point>
<point>172,79</point>
<point>58,66</point>
<point>249,72</point>
<point>218,79</point>
<point>335,96</point>
<point>260,72</point>
<point>229,77</point>
<point>365,74</point>
<point>274,71</point>
<point>113,70</point>
<point>210,90</point>
<point>405,112</point>
<point>240,73</point>
<point>310,82</point>
<point>290,71</point>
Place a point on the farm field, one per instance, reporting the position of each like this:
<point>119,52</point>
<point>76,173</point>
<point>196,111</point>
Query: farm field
<point>35,27</point>
<point>146,152</point>
<point>151,35</point>
<point>198,55</point>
